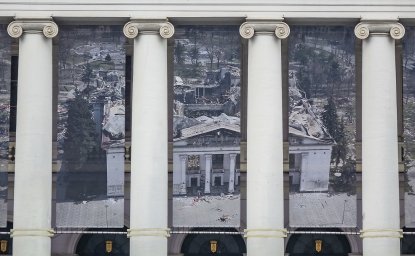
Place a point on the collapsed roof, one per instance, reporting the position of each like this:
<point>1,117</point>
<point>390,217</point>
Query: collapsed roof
<point>303,121</point>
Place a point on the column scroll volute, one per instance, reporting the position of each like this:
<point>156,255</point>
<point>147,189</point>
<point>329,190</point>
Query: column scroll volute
<point>366,28</point>
<point>45,26</point>
<point>248,29</point>
<point>135,27</point>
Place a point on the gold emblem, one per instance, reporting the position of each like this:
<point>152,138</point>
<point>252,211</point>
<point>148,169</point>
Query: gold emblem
<point>213,246</point>
<point>3,246</point>
<point>319,245</point>
<point>108,246</point>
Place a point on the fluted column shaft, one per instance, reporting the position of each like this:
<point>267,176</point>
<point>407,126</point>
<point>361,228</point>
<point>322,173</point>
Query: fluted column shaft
<point>148,217</point>
<point>33,170</point>
<point>380,178</point>
<point>265,201</point>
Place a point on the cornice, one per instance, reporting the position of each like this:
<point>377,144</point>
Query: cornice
<point>215,2</point>
<point>293,11</point>
<point>207,8</point>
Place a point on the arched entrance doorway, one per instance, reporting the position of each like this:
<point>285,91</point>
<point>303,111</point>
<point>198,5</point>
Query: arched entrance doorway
<point>213,244</point>
<point>318,244</point>
<point>100,244</point>
<point>408,242</point>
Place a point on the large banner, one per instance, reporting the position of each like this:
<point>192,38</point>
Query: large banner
<point>5,70</point>
<point>409,124</point>
<point>206,127</point>
<point>91,127</point>
<point>322,127</point>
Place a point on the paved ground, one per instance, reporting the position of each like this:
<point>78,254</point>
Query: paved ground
<point>206,211</point>
<point>98,213</point>
<point>322,210</point>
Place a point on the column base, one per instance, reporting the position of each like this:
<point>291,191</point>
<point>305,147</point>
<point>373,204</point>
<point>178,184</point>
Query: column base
<point>381,242</point>
<point>32,245</point>
<point>148,241</point>
<point>381,246</point>
<point>148,245</point>
<point>265,241</point>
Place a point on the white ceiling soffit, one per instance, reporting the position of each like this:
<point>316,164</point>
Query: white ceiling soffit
<point>188,10</point>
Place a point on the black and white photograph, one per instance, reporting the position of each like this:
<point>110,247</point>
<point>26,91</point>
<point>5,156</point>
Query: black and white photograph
<point>91,127</point>
<point>322,127</point>
<point>5,79</point>
<point>408,63</point>
<point>206,127</point>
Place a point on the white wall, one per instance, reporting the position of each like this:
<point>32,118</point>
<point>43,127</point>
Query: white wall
<point>315,173</point>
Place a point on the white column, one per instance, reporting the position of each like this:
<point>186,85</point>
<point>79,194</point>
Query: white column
<point>33,170</point>
<point>231,187</point>
<point>380,178</point>
<point>265,218</point>
<point>208,171</point>
<point>183,165</point>
<point>148,213</point>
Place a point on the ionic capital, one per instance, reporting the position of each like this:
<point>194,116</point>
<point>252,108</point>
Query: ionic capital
<point>20,26</point>
<point>366,28</point>
<point>141,26</point>
<point>250,28</point>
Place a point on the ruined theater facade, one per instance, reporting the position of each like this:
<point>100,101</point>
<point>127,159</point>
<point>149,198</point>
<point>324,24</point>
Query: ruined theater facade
<point>232,128</point>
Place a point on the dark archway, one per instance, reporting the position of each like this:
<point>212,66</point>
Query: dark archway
<point>95,244</point>
<point>305,244</point>
<point>226,245</point>
<point>408,242</point>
